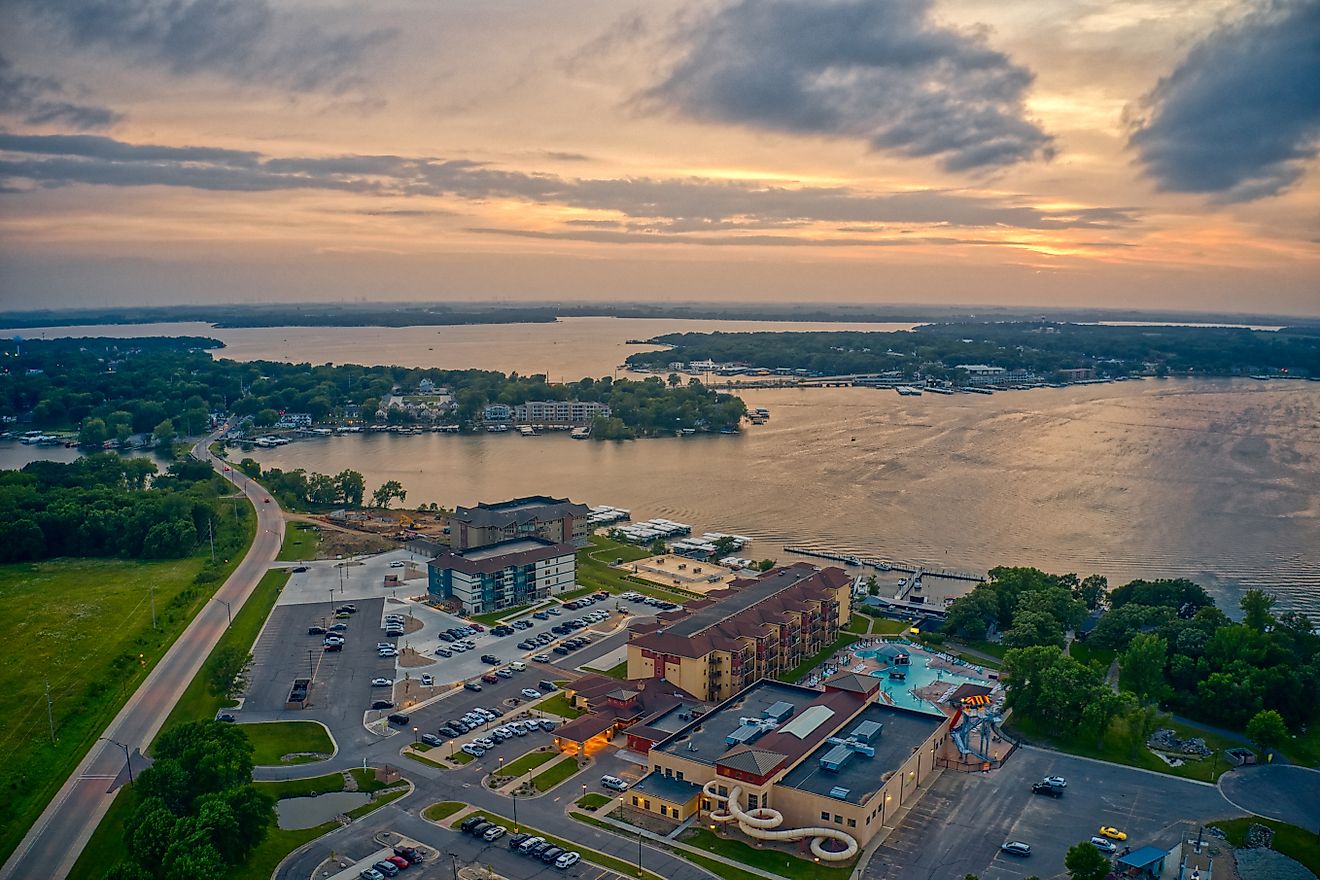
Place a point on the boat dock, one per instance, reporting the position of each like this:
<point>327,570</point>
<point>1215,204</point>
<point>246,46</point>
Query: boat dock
<point>917,572</point>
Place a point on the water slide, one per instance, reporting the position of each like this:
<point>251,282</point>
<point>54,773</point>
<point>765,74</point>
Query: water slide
<point>960,727</point>
<point>763,824</point>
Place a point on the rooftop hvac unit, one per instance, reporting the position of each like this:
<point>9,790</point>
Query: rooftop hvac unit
<point>840,792</point>
<point>778,711</point>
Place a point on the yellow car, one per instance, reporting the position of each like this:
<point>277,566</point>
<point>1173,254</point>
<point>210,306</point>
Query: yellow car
<point>1112,833</point>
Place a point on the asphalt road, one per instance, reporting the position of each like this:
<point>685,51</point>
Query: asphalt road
<point>57,838</point>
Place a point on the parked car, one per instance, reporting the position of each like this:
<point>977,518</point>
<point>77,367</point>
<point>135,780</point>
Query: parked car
<point>567,860</point>
<point>388,652</point>
<point>338,627</point>
<point>382,682</point>
<point>547,686</point>
<point>396,564</point>
<point>371,874</point>
<point>299,569</point>
<point>316,630</point>
<point>490,678</point>
<point>470,822</point>
<point>389,869</point>
<point>1108,847</point>
<point>1046,789</point>
<point>413,856</point>
<point>443,652</point>
<point>472,685</point>
<point>547,725</point>
<point>1015,848</point>
<point>427,679</point>
<point>1056,781</point>
<point>480,828</point>
<point>555,611</point>
<point>531,694</point>
<point>398,718</point>
<point>473,750</point>
<point>614,783</point>
<point>334,646</point>
<point>491,659</point>
<point>516,840</point>
<point>503,673</point>
<point>529,844</point>
<point>562,650</point>
<point>398,861</point>
<point>432,740</point>
<point>541,658</point>
<point>550,853</point>
<point>495,833</point>
<point>517,666</point>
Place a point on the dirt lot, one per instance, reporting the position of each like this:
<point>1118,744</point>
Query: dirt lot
<point>338,541</point>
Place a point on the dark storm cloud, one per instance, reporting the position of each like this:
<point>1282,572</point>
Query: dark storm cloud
<point>881,70</point>
<point>39,100</point>
<point>658,206</point>
<point>243,40</point>
<point>1240,116</point>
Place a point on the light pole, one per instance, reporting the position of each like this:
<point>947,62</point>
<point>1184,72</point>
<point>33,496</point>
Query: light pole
<point>584,790</point>
<point>454,862</point>
<point>514,796</point>
<point>414,736</point>
<point>639,848</point>
<point>228,608</point>
<point>128,760</point>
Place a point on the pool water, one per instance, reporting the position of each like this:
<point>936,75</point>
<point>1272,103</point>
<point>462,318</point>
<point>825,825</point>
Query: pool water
<point>918,676</point>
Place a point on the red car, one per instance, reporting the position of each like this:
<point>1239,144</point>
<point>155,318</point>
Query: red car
<point>478,627</point>
<point>399,862</point>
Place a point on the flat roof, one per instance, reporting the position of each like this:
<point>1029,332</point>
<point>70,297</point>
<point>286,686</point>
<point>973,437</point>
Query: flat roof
<point>676,791</point>
<point>903,731</point>
<point>504,548</point>
<point>744,598</point>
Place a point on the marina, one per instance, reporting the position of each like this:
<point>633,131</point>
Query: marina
<point>917,571</point>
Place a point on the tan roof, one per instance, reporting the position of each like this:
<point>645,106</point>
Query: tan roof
<point>750,759</point>
<point>851,681</point>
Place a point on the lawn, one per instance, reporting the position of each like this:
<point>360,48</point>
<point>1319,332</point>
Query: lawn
<point>558,705</point>
<point>619,866</point>
<point>772,860</point>
<point>1296,843</point>
<point>301,540</point>
<point>593,800</point>
<point>529,761</point>
<point>271,742</point>
<point>548,779</point>
<point>85,625</point>
<point>442,810</point>
<point>595,572</point>
<point>1121,746</point>
<point>800,671</point>
<point>1099,657</point>
<point>422,759</point>
<point>618,670</point>
<point>456,758</point>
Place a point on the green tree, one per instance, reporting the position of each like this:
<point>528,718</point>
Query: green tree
<point>323,489</point>
<point>93,432</point>
<point>1256,605</point>
<point>1267,730</point>
<point>164,434</point>
<point>224,667</point>
<point>351,487</point>
<point>265,418</point>
<point>658,547</point>
<point>765,564</point>
<point>1092,591</point>
<point>1085,862</point>
<point>388,491</point>
<point>1143,667</point>
<point>1033,627</point>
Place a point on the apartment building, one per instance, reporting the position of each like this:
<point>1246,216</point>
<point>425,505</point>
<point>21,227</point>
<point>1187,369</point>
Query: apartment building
<point>836,758</point>
<point>559,412</point>
<point>556,520</point>
<point>503,575</point>
<point>756,628</point>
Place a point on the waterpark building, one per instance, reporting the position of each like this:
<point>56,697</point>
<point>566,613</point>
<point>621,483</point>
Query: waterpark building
<point>755,628</point>
<point>502,575</point>
<point>556,520</point>
<point>792,763</point>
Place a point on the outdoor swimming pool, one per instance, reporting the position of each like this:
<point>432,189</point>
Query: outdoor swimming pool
<point>919,675</point>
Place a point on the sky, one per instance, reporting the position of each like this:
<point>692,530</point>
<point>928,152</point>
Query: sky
<point>1105,153</point>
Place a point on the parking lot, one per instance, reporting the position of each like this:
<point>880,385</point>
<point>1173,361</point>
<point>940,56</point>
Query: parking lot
<point>958,825</point>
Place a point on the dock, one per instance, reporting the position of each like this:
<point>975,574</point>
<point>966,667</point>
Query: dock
<point>917,571</point>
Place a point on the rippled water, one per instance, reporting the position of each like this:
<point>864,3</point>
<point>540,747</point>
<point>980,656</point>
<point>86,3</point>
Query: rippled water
<point>1216,480</point>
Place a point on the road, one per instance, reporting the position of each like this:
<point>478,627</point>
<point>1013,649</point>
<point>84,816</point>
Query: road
<point>57,838</point>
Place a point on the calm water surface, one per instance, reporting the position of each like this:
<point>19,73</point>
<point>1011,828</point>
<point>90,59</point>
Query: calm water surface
<point>1216,480</point>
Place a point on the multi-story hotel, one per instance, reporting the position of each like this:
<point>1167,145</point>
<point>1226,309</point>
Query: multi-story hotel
<point>756,628</point>
<point>503,575</point>
<point>556,520</point>
<point>559,412</point>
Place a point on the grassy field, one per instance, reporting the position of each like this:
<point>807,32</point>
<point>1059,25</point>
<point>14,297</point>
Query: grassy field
<point>442,810</point>
<point>1099,657</point>
<point>270,742</point>
<point>85,626</point>
<point>1293,842</point>
<point>529,761</point>
<point>300,542</point>
<point>558,705</point>
<point>774,861</point>
<point>594,571</point>
<point>800,671</point>
<point>565,769</point>
<point>619,866</point>
<point>1121,746</point>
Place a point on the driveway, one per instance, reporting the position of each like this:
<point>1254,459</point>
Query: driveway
<point>1276,791</point>
<point>962,819</point>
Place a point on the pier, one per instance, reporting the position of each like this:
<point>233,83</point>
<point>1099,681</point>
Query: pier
<point>916,571</point>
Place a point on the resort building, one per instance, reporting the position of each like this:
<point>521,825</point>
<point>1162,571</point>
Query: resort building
<point>502,575</point>
<point>755,628</point>
<point>559,412</point>
<point>836,759</point>
<point>646,711</point>
<point>556,520</point>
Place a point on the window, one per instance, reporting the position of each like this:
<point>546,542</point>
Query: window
<point>664,811</point>
<point>838,820</point>
<point>679,775</point>
<point>825,814</point>
<point>669,773</point>
<point>852,823</point>
<point>646,804</point>
<point>657,768</point>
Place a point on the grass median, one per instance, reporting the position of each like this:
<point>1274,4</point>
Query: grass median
<point>557,774</point>
<point>86,627</point>
<point>271,742</point>
<point>559,705</point>
<point>442,810</point>
<point>529,761</point>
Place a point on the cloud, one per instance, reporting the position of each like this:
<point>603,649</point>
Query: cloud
<point>1240,116</point>
<point>38,100</point>
<point>651,205</point>
<point>244,40</point>
<point>880,70</point>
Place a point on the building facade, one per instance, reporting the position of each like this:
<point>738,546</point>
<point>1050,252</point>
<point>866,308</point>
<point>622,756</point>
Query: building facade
<point>838,758</point>
<point>503,575</point>
<point>556,520</point>
<point>756,628</point>
<point>559,412</point>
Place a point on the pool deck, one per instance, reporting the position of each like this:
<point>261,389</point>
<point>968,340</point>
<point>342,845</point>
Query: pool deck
<point>951,671</point>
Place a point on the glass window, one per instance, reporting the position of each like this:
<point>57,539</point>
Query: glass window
<point>852,823</point>
<point>825,814</point>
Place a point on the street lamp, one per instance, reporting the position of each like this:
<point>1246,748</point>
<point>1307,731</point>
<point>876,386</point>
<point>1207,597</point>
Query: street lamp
<point>454,862</point>
<point>514,794</point>
<point>414,736</point>
<point>228,608</point>
<point>584,789</point>
<point>128,761</point>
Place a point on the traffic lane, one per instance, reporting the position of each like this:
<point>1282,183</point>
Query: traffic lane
<point>1286,793</point>
<point>960,822</point>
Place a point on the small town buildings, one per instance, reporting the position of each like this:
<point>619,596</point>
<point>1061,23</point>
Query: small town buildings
<point>556,520</point>
<point>503,574</point>
<point>646,712</point>
<point>559,412</point>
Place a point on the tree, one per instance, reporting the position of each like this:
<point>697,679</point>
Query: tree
<point>1143,667</point>
<point>388,491</point>
<point>658,547</point>
<point>265,418</point>
<point>765,564</point>
<point>93,432</point>
<point>1092,591</point>
<point>322,489</point>
<point>1034,628</point>
<point>1267,730</point>
<point>872,586</point>
<point>224,667</point>
<point>724,546</point>
<point>351,487</point>
<point>164,434</point>
<point>1085,862</point>
<point>1256,605</point>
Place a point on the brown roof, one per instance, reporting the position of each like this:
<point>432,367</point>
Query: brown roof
<point>844,704</point>
<point>851,681</point>
<point>963,691</point>
<point>585,727</point>
<point>487,559</point>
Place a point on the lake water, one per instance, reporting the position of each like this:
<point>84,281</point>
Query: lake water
<point>308,812</point>
<point>1215,480</point>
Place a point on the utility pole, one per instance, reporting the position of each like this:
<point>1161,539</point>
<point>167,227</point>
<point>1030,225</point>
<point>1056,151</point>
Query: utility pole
<point>50,713</point>
<point>153,605</point>
<point>210,531</point>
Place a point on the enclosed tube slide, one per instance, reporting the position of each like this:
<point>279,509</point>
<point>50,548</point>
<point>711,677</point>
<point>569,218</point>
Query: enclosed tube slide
<point>763,824</point>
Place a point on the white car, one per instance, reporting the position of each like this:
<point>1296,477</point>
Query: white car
<point>458,647</point>
<point>1105,846</point>
<point>1056,781</point>
<point>427,680</point>
<point>567,860</point>
<point>517,666</point>
<point>396,564</point>
<point>474,751</point>
<point>614,783</point>
<point>388,652</point>
<point>382,682</point>
<point>531,694</point>
<point>384,646</point>
<point>494,833</point>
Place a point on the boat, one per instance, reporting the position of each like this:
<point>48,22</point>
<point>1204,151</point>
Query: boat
<point>935,390</point>
<point>526,430</point>
<point>688,432</point>
<point>975,390</point>
<point>580,434</point>
<point>497,429</point>
<point>908,390</point>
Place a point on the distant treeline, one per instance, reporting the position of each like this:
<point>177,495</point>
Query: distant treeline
<point>105,505</point>
<point>109,388</point>
<point>1042,347</point>
<point>424,314</point>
